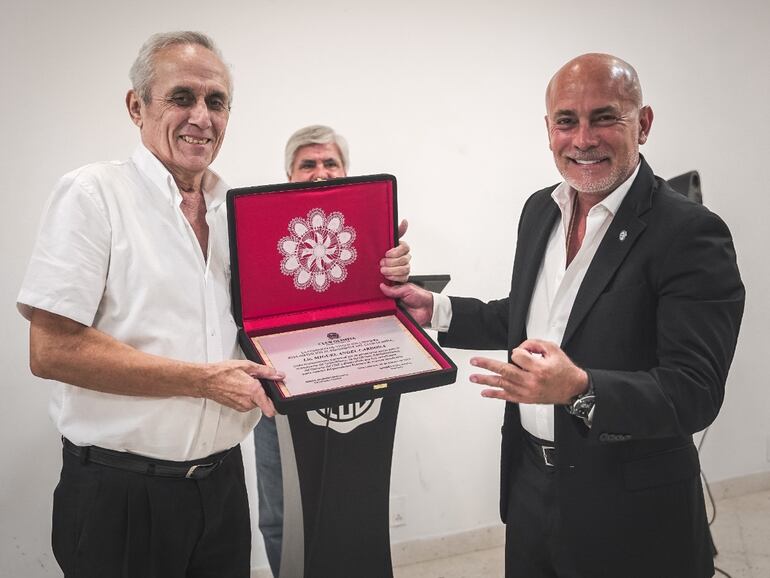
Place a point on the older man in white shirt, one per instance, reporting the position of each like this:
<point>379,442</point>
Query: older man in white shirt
<point>127,293</point>
<point>128,297</point>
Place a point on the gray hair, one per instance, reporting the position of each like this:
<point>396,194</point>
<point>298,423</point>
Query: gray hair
<point>142,73</point>
<point>314,134</point>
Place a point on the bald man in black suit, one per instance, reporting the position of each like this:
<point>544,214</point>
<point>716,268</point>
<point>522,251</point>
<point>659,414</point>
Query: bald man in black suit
<point>621,325</point>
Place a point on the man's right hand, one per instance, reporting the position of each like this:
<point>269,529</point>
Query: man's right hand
<point>235,384</point>
<point>417,301</point>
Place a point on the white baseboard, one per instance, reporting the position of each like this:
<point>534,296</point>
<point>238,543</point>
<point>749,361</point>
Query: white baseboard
<point>736,487</point>
<point>433,548</point>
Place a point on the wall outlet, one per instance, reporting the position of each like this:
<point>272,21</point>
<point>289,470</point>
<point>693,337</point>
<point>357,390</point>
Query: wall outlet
<point>398,511</point>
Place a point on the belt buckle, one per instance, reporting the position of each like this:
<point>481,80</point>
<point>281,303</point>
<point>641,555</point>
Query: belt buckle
<point>191,472</point>
<point>546,453</point>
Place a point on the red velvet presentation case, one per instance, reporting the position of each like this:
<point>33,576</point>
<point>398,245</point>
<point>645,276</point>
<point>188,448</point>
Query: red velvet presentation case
<point>307,255</point>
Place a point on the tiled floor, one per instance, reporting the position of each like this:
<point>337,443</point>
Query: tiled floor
<point>742,535</point>
<point>741,532</point>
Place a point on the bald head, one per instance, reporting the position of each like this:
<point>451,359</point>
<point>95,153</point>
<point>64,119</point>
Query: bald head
<point>596,122</point>
<point>598,68</point>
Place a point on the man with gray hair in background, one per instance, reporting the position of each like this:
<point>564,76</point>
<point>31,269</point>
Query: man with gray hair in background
<point>316,153</point>
<point>127,294</point>
<point>313,153</point>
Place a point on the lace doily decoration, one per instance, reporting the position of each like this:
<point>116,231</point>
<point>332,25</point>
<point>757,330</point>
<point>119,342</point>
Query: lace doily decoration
<point>317,250</point>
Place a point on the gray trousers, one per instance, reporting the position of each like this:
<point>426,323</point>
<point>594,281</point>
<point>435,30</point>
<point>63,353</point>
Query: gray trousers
<point>270,490</point>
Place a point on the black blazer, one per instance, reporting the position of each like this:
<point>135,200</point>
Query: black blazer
<point>654,324</point>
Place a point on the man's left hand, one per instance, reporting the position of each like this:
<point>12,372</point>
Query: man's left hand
<point>540,372</point>
<point>395,265</point>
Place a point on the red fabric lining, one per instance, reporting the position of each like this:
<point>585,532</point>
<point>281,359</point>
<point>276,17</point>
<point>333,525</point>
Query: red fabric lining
<point>271,303</point>
<point>326,315</point>
<point>268,296</point>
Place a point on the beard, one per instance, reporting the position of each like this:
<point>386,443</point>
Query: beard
<point>593,184</point>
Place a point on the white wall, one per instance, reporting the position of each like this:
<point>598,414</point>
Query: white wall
<point>446,95</point>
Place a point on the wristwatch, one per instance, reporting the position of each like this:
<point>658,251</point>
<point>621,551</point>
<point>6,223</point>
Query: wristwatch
<point>582,405</point>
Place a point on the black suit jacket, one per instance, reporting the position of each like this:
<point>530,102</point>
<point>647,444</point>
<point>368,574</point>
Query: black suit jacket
<point>654,324</point>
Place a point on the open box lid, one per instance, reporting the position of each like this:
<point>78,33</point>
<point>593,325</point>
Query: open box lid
<point>303,253</point>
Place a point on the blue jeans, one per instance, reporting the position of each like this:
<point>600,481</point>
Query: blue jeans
<point>270,490</point>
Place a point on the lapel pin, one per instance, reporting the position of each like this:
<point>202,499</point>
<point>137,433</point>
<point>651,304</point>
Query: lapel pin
<point>623,235</point>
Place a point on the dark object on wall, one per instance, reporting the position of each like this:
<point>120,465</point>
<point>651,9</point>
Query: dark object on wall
<point>433,283</point>
<point>688,184</point>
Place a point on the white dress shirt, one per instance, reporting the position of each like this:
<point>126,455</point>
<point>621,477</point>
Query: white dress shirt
<point>556,286</point>
<point>115,252</point>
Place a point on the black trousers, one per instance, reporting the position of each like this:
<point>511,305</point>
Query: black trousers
<point>108,522</point>
<point>533,545</point>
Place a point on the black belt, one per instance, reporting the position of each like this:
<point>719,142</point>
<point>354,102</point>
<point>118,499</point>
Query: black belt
<point>545,450</point>
<point>194,470</point>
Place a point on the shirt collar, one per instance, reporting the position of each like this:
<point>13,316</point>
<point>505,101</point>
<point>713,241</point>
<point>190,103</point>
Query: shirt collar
<point>214,188</point>
<point>563,195</point>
